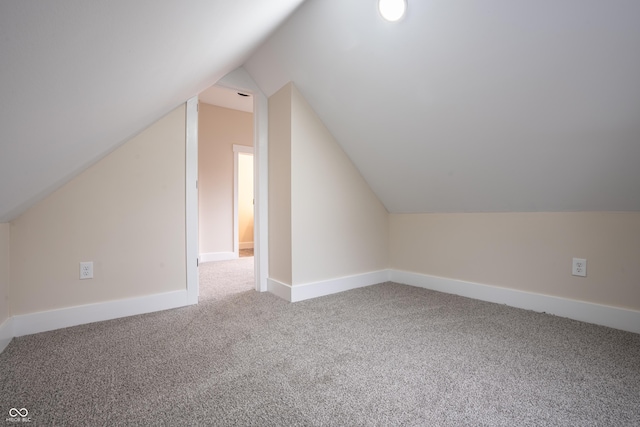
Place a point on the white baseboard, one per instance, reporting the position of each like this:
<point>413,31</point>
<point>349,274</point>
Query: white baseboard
<point>325,287</point>
<point>217,256</point>
<point>6,333</point>
<point>246,245</point>
<point>341,284</point>
<point>43,321</point>
<point>279,289</point>
<point>613,317</point>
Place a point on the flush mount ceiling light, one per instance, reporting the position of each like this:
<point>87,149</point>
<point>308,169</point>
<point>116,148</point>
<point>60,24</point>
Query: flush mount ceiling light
<point>392,10</point>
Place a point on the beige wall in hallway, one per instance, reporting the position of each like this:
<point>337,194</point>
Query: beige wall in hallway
<point>218,130</point>
<point>126,213</point>
<point>526,251</point>
<point>4,272</point>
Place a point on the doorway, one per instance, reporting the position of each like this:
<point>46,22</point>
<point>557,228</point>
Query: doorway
<point>225,185</point>
<point>243,201</point>
<point>238,80</point>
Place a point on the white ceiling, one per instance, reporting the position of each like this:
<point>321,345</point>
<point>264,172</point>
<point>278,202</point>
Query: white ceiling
<point>78,78</point>
<point>493,105</point>
<point>227,98</point>
<point>498,105</point>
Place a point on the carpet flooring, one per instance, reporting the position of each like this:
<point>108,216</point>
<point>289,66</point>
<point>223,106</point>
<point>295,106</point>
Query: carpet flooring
<point>383,355</point>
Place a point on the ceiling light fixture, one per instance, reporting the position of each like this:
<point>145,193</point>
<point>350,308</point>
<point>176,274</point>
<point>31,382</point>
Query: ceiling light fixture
<point>392,10</point>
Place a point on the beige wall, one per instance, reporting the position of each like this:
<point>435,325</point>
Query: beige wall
<point>126,213</point>
<point>245,199</point>
<point>218,129</point>
<point>338,227</point>
<point>280,185</point>
<point>4,272</point>
<point>526,251</point>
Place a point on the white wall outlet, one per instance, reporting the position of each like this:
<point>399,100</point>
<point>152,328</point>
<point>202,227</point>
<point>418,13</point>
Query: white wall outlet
<point>579,267</point>
<point>86,270</point>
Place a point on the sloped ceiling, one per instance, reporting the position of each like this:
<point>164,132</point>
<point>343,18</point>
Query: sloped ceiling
<point>474,106</point>
<point>78,77</point>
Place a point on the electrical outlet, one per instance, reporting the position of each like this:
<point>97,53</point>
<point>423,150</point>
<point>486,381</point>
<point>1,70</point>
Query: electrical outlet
<point>579,267</point>
<point>86,270</point>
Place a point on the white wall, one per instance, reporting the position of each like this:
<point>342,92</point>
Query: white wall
<point>218,130</point>
<point>126,213</point>
<point>526,251</point>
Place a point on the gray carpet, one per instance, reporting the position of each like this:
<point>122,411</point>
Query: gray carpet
<point>384,355</point>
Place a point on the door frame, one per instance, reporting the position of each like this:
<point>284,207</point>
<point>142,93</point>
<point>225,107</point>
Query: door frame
<point>191,200</point>
<point>241,81</point>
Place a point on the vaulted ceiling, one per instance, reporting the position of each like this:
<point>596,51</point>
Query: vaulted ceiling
<point>78,77</point>
<point>497,105</point>
<point>492,105</point>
